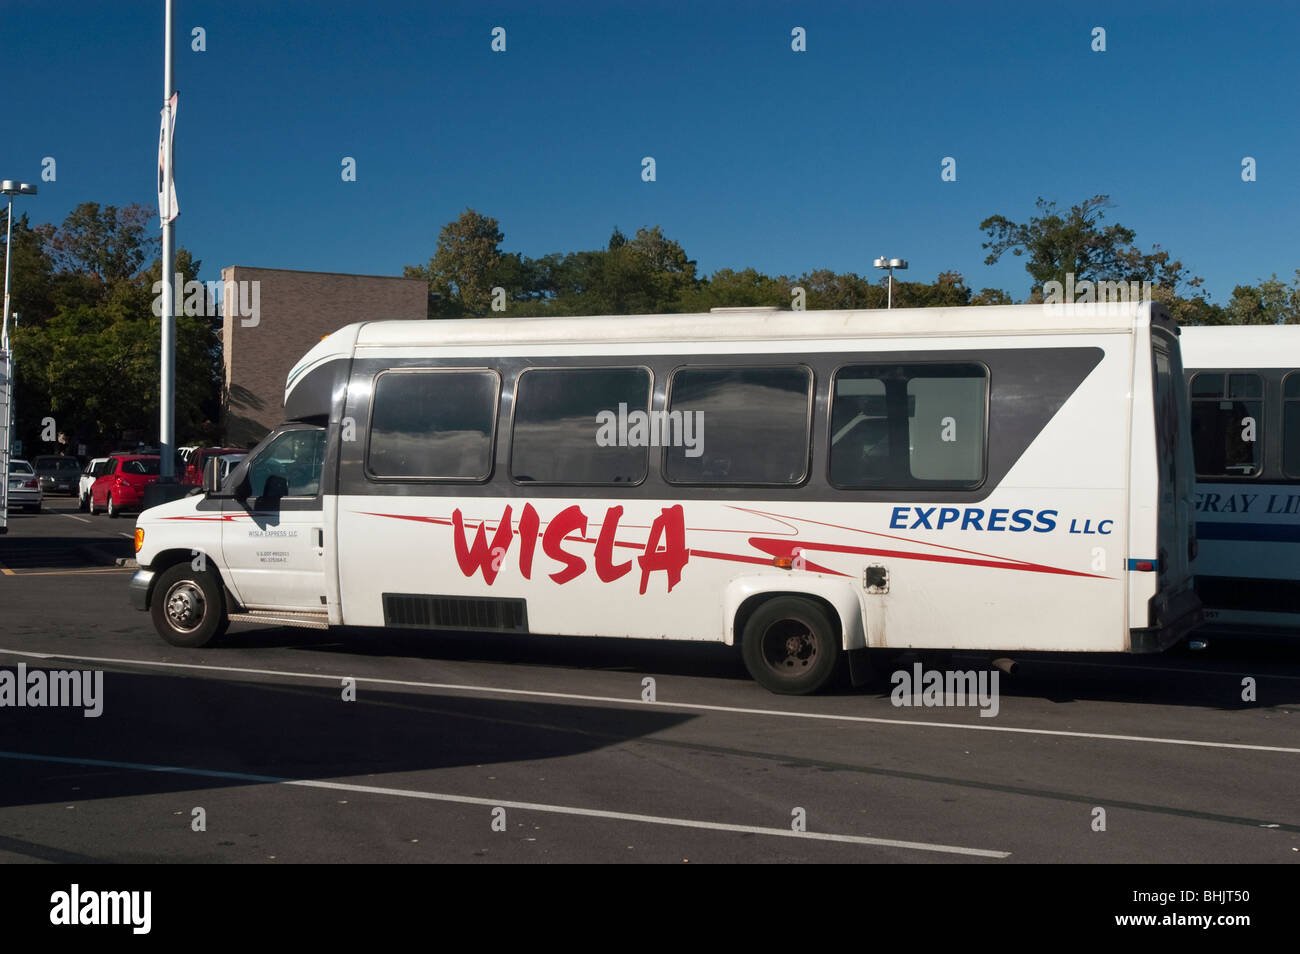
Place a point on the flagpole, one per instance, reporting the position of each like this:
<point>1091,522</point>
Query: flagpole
<point>167,390</point>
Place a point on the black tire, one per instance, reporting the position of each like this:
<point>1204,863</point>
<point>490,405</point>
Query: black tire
<point>90,506</point>
<point>113,513</point>
<point>188,607</point>
<point>83,503</point>
<point>790,646</point>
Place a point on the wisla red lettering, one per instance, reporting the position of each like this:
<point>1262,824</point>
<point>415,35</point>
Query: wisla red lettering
<point>665,549</point>
<point>480,556</point>
<point>566,521</point>
<point>605,568</point>
<point>671,522</point>
<point>528,524</point>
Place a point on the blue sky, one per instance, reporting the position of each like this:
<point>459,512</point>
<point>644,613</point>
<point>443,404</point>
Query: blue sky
<point>765,157</point>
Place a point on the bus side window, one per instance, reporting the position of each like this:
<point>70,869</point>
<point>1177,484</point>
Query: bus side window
<point>748,425</point>
<point>1227,424</point>
<point>1291,424</point>
<point>436,424</point>
<point>908,426</point>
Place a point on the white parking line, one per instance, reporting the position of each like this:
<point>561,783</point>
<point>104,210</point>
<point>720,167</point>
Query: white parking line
<point>693,706</point>
<point>521,806</point>
<point>74,517</point>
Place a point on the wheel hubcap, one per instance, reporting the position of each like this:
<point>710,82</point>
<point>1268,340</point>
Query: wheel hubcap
<point>185,606</point>
<point>789,647</point>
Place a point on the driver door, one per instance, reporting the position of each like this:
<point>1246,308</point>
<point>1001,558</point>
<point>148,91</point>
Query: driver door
<point>273,544</point>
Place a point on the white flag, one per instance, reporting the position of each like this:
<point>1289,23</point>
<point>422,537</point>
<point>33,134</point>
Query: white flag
<point>168,207</point>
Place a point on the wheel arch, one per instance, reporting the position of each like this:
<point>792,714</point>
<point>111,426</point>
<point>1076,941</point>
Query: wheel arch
<point>744,595</point>
<point>164,560</point>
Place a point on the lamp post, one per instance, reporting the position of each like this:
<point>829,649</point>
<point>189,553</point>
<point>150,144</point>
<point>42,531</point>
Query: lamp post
<point>891,264</point>
<point>10,188</point>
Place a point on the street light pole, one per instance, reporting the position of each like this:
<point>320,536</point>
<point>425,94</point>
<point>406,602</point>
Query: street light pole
<point>167,386</point>
<point>891,264</point>
<point>10,188</point>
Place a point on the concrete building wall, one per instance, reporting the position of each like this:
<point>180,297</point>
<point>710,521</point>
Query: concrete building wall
<point>267,327</point>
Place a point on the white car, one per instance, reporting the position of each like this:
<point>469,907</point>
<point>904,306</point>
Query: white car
<point>24,487</point>
<point>88,476</point>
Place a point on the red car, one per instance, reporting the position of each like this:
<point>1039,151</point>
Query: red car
<point>121,486</point>
<point>193,476</point>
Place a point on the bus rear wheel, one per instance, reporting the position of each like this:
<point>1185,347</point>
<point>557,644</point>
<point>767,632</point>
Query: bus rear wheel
<point>790,646</point>
<point>188,608</point>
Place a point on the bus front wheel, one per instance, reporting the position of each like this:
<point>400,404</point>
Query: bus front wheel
<point>188,608</point>
<point>790,646</point>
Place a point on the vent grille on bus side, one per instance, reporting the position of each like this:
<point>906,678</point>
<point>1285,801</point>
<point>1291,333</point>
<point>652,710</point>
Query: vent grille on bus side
<point>418,611</point>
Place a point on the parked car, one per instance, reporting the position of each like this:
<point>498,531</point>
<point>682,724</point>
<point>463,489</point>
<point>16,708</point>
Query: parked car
<point>57,474</point>
<point>151,450</point>
<point>24,487</point>
<point>121,486</point>
<point>88,476</point>
<point>193,474</point>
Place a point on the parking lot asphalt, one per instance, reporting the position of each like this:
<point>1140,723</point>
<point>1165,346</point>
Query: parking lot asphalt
<point>284,745</point>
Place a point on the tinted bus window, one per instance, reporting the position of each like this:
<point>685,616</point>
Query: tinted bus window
<point>738,425</point>
<point>1291,424</point>
<point>433,424</point>
<point>581,426</point>
<point>908,426</point>
<point>1227,421</point>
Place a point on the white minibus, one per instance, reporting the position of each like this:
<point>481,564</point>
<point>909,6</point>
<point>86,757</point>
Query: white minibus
<point>808,485</point>
<point>1244,387</point>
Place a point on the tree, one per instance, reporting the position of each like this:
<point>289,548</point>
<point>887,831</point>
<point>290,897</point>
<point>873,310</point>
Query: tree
<point>670,272</point>
<point>824,288</point>
<point>1272,302</point>
<point>728,288</point>
<point>1055,245</point>
<point>89,359</point>
<point>464,268</point>
<point>991,296</point>
<point>106,242</point>
<point>31,272</point>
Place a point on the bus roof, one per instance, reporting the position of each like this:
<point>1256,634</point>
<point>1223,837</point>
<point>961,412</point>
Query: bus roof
<point>1240,346</point>
<point>744,324</point>
<point>753,324</point>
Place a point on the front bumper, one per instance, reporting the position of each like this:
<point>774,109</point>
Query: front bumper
<point>140,588</point>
